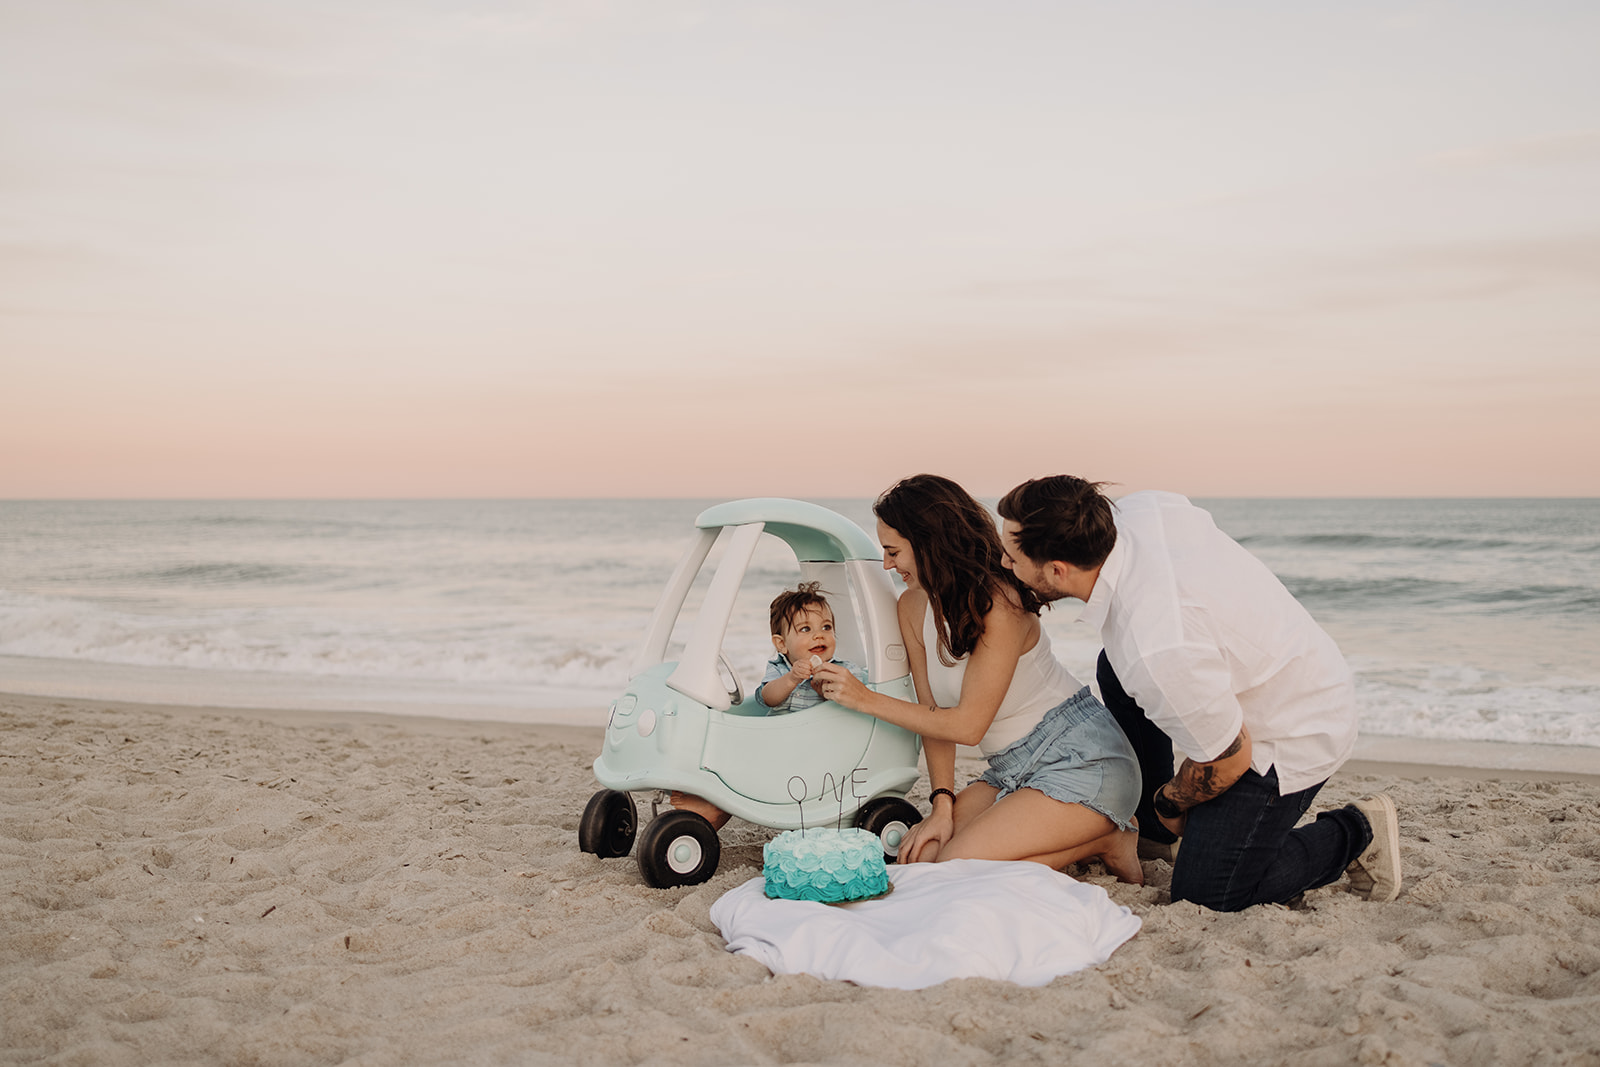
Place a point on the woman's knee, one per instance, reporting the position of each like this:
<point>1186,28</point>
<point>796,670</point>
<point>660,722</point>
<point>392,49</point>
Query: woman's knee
<point>971,802</point>
<point>1027,824</point>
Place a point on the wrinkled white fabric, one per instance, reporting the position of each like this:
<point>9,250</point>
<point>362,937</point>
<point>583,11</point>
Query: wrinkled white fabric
<point>1013,921</point>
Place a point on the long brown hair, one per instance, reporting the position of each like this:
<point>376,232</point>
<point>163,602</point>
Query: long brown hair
<point>958,556</point>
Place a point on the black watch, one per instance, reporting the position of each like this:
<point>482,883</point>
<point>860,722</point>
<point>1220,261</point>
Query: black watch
<point>1164,805</point>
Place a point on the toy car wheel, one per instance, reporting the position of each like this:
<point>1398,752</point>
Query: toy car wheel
<point>678,848</point>
<point>608,824</point>
<point>890,818</point>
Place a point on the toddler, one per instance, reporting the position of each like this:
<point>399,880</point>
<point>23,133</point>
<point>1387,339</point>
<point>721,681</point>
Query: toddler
<point>802,634</point>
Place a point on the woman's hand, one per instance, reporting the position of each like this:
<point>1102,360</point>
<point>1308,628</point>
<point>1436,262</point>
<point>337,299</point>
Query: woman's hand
<point>923,842</point>
<point>837,684</point>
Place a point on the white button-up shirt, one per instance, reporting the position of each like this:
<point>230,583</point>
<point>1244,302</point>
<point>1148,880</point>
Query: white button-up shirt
<point>1207,639</point>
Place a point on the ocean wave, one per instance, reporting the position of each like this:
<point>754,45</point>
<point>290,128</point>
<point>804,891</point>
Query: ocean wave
<point>1313,590</point>
<point>233,574</point>
<point>1442,594</point>
<point>553,597</point>
<point>1405,542</point>
<point>1466,704</point>
<point>1552,598</point>
<point>465,651</point>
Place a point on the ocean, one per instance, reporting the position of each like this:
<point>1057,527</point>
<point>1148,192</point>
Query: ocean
<point>1462,619</point>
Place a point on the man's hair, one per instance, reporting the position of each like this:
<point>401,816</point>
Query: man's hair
<point>958,556</point>
<point>1062,518</point>
<point>791,604</point>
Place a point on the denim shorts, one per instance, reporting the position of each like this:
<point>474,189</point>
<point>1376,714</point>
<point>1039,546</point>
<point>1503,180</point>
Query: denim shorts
<point>1077,755</point>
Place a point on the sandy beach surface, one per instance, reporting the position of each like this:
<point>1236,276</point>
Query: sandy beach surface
<point>229,887</point>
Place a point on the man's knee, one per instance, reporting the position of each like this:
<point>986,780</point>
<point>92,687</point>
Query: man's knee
<point>1215,888</point>
<point>1216,901</point>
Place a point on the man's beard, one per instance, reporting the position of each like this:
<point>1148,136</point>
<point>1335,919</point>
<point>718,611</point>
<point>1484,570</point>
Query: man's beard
<point>1046,596</point>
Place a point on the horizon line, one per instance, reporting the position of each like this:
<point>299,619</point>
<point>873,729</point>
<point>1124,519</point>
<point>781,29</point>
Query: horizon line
<point>814,496</point>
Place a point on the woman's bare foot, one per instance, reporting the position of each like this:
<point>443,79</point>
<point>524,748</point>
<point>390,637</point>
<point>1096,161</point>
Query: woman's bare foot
<point>702,807</point>
<point>1121,856</point>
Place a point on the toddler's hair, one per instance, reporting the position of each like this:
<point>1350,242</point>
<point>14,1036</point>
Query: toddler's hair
<point>792,603</point>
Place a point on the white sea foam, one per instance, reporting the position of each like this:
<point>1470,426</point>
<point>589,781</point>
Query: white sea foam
<point>1468,704</point>
<point>300,643</point>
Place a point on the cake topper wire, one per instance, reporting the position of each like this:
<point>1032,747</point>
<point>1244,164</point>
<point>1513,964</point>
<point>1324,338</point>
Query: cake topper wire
<point>800,800</point>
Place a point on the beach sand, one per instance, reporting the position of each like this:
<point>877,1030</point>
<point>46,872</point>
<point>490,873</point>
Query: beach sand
<point>226,887</point>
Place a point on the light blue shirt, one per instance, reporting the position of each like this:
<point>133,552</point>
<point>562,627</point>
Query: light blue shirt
<point>805,694</point>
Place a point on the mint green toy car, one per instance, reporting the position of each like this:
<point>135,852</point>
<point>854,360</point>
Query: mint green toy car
<point>688,724</point>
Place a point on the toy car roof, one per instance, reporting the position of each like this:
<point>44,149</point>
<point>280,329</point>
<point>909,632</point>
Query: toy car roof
<point>816,534</point>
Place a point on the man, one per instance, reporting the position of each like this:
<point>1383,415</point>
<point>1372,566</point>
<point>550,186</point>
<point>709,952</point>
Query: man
<point>1206,650</point>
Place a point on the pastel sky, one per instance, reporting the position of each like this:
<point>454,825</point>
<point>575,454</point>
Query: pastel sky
<point>351,248</point>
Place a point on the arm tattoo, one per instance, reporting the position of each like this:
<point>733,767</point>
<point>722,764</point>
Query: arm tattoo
<point>1196,783</point>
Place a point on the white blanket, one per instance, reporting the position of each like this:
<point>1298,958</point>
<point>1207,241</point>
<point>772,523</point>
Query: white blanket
<point>1018,922</point>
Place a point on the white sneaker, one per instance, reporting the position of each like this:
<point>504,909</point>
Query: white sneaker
<point>1375,874</point>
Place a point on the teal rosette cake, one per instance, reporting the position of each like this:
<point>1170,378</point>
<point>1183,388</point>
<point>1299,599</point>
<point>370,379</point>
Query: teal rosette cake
<point>830,866</point>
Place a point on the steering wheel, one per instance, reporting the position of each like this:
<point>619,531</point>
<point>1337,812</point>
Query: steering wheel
<point>735,691</point>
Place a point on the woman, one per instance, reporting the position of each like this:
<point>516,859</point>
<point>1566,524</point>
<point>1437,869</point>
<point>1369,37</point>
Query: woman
<point>1062,782</point>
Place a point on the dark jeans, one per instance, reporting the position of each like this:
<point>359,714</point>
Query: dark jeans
<point>1240,848</point>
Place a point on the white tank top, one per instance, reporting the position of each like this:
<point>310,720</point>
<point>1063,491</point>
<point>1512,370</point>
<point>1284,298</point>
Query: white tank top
<point>1039,684</point>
